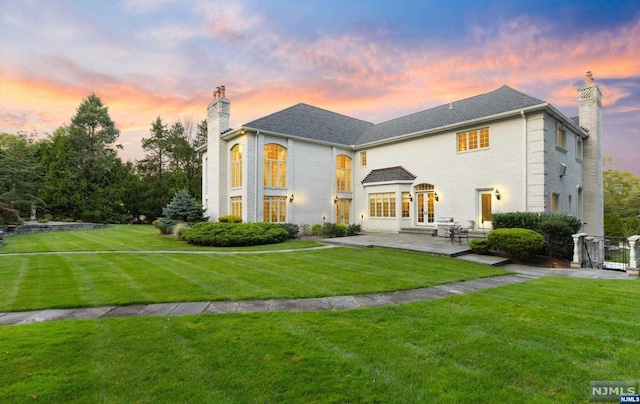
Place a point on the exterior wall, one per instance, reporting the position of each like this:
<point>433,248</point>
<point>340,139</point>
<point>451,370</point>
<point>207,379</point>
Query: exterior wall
<point>456,176</point>
<point>214,195</point>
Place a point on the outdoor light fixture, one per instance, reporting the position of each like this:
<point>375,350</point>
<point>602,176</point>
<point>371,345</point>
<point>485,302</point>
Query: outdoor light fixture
<point>291,199</point>
<point>436,197</point>
<point>410,197</point>
<point>497,194</point>
<point>336,199</point>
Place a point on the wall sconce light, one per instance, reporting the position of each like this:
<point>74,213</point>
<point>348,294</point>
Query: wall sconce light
<point>335,200</point>
<point>410,197</point>
<point>497,194</point>
<point>291,199</point>
<point>436,197</point>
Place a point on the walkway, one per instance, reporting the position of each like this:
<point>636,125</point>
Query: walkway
<point>409,242</point>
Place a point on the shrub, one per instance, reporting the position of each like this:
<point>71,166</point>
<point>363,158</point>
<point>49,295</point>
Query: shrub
<point>234,234</point>
<point>353,229</point>
<point>91,216</point>
<point>230,219</point>
<point>179,229</point>
<point>557,237</point>
<point>164,225</point>
<point>316,229</point>
<point>517,243</point>
<point>531,220</point>
<point>8,215</point>
<point>479,245</point>
<point>305,230</point>
<point>291,229</point>
<point>341,230</point>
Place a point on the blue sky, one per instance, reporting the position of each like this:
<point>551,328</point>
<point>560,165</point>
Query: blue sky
<point>373,60</point>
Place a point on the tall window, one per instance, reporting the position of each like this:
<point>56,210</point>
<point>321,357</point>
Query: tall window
<point>406,203</point>
<point>555,203</point>
<point>363,158</point>
<point>382,205</point>
<point>343,173</point>
<point>236,206</point>
<point>275,166</point>
<point>473,139</point>
<point>275,209</point>
<point>579,150</point>
<point>236,166</point>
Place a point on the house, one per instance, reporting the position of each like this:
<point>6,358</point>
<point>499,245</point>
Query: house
<point>496,152</point>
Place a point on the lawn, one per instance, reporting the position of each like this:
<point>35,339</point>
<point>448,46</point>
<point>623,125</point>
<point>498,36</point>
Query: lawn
<point>539,341</point>
<point>29,282</point>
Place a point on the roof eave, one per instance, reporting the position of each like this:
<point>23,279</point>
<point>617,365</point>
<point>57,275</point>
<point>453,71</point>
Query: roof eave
<point>300,138</point>
<point>444,128</point>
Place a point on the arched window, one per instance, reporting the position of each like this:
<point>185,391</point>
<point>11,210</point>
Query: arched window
<point>343,173</point>
<point>236,166</point>
<point>275,166</point>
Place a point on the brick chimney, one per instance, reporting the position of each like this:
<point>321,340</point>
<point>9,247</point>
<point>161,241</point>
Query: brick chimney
<point>590,116</point>
<point>215,158</point>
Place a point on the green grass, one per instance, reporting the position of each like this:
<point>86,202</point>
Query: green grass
<point>121,238</point>
<point>538,342</point>
<point>29,282</point>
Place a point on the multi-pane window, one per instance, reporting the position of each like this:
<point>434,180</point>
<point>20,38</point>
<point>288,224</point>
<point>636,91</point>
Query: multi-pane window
<point>363,158</point>
<point>275,209</point>
<point>406,203</point>
<point>236,206</point>
<point>343,173</point>
<point>236,166</point>
<point>382,205</point>
<point>473,139</point>
<point>275,166</point>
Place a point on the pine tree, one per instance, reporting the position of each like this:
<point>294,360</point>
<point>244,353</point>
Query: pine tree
<point>184,207</point>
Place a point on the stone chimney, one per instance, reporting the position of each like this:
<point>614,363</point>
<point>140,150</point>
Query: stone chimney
<point>214,179</point>
<point>590,115</point>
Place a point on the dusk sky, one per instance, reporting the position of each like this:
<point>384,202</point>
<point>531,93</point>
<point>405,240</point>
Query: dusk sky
<point>373,60</point>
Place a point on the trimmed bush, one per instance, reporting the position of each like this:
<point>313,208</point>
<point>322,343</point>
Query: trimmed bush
<point>479,245</point>
<point>517,243</point>
<point>353,229</point>
<point>165,225</point>
<point>230,219</point>
<point>316,229</point>
<point>234,234</point>
<point>291,229</point>
<point>557,237</point>
<point>531,220</point>
<point>341,230</point>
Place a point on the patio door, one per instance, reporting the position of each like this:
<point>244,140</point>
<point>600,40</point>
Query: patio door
<point>342,211</point>
<point>485,199</point>
<point>425,206</point>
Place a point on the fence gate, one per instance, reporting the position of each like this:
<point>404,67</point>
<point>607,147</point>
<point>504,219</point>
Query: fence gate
<point>606,252</point>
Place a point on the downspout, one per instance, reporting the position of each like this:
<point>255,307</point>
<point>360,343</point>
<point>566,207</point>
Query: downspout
<point>526,166</point>
<point>255,181</point>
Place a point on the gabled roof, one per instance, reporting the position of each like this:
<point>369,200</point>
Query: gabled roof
<point>318,124</point>
<point>504,99</point>
<point>310,122</point>
<point>397,173</point>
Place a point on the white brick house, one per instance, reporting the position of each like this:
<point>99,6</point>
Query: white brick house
<point>496,152</point>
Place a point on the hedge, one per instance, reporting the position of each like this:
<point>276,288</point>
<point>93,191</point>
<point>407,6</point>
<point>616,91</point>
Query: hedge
<point>517,243</point>
<point>234,234</point>
<point>531,220</point>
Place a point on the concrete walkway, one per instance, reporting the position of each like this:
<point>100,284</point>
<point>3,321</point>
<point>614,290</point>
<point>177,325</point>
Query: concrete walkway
<point>408,242</point>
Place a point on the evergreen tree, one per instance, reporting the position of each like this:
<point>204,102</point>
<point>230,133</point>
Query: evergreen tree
<point>184,207</point>
<point>20,172</point>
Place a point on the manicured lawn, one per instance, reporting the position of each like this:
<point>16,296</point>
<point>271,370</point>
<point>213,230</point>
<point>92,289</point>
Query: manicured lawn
<point>29,282</point>
<point>121,238</point>
<point>539,341</point>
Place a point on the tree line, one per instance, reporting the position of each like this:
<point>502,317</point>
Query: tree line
<point>75,174</point>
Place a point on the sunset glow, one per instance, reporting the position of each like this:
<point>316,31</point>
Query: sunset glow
<point>370,60</point>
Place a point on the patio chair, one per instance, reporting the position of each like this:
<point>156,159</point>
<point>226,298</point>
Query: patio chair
<point>461,233</point>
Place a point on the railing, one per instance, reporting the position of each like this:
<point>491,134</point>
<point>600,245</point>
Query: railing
<point>603,252</point>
